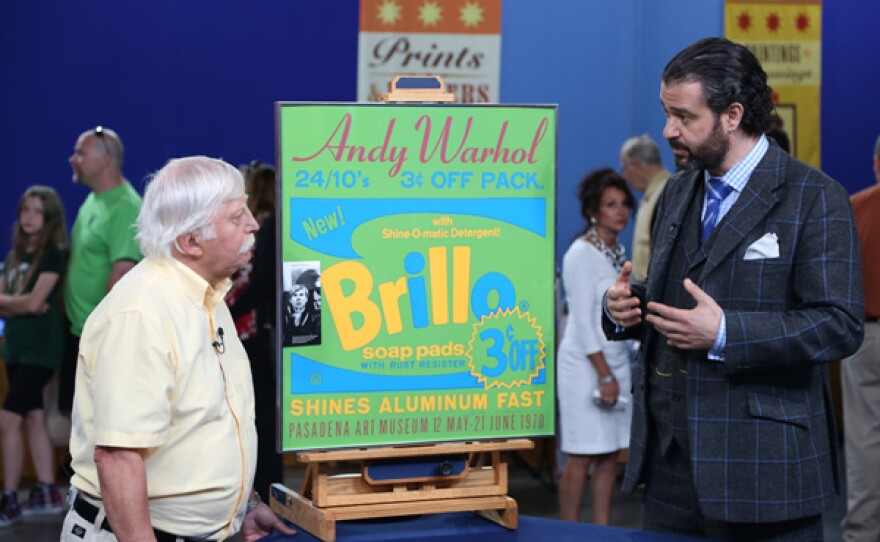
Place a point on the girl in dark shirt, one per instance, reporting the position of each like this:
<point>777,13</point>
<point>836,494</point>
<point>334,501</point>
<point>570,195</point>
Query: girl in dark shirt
<point>30,303</point>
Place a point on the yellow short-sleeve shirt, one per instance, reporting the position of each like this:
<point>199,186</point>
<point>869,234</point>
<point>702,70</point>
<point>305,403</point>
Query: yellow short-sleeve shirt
<point>149,377</point>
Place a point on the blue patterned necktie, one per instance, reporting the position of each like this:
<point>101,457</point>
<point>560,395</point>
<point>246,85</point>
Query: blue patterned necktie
<point>716,191</point>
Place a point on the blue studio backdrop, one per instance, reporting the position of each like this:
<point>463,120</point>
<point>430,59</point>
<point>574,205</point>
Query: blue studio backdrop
<point>201,77</point>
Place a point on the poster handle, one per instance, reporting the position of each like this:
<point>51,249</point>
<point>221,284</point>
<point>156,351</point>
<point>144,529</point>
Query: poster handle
<point>417,88</point>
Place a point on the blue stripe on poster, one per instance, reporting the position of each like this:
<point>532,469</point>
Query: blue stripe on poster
<point>310,376</point>
<point>327,225</point>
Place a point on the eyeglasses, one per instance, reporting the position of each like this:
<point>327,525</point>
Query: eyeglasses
<point>99,133</point>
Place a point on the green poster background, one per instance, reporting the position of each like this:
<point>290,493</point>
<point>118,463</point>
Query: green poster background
<point>431,229</point>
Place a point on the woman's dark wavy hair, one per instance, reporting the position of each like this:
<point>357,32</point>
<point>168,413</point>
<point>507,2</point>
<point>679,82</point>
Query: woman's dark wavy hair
<point>592,187</point>
<point>729,73</point>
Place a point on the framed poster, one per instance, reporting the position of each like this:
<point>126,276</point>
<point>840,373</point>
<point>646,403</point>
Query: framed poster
<point>417,268</point>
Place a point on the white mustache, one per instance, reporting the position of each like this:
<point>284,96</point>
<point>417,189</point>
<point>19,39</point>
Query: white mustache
<point>248,244</point>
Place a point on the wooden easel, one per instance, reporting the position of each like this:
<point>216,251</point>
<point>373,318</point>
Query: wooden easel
<point>327,497</point>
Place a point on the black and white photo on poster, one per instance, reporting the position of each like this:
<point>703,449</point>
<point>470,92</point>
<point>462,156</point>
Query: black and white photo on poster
<point>301,303</point>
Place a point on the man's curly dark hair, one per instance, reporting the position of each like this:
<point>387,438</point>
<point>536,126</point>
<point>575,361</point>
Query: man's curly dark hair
<point>729,73</point>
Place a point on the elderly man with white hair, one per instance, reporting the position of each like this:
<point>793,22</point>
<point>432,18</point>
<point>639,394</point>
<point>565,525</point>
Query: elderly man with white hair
<point>163,439</point>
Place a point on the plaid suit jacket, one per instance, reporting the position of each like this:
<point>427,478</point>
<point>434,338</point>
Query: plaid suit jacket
<point>760,427</point>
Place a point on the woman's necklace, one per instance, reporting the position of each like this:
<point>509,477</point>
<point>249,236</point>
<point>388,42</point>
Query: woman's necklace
<point>615,255</point>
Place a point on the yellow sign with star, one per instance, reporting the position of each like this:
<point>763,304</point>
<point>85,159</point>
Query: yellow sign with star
<point>459,40</point>
<point>786,36</point>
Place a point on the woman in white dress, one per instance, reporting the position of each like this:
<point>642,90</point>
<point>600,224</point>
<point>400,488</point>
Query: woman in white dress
<point>593,373</point>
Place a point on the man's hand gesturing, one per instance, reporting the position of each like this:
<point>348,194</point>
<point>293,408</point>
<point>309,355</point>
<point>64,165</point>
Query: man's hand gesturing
<point>619,301</point>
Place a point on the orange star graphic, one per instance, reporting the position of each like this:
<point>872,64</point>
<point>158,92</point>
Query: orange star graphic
<point>802,22</point>
<point>773,22</point>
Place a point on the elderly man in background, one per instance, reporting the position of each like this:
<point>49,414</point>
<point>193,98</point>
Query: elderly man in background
<point>163,439</point>
<point>644,171</point>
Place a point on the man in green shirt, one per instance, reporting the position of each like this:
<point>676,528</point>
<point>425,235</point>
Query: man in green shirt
<point>103,247</point>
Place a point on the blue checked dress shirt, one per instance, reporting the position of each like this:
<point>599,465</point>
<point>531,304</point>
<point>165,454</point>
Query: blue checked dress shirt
<point>734,181</point>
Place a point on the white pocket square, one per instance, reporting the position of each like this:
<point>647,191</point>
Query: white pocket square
<point>766,247</point>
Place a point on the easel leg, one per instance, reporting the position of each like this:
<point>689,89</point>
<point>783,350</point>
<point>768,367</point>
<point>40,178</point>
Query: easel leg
<point>506,517</point>
<point>305,487</point>
<point>300,511</point>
